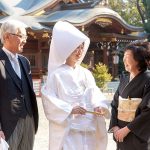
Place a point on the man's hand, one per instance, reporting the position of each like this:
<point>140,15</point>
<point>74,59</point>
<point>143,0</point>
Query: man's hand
<point>2,135</point>
<point>78,110</point>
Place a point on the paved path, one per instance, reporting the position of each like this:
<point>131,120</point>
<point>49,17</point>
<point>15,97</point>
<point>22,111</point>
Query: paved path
<point>41,139</point>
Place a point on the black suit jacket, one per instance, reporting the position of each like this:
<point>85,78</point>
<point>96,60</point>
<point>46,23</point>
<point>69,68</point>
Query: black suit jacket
<point>10,94</point>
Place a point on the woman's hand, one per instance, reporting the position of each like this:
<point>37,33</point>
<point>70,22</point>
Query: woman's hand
<point>2,135</point>
<point>115,129</point>
<point>78,110</point>
<point>121,134</point>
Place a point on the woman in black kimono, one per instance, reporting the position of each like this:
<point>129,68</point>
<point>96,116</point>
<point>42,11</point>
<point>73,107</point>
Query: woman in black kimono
<point>130,121</point>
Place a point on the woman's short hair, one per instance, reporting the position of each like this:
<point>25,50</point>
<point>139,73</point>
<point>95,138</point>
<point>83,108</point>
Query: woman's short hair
<point>140,54</point>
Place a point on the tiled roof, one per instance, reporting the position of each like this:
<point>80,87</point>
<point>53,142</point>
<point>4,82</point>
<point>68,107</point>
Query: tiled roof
<point>26,10</point>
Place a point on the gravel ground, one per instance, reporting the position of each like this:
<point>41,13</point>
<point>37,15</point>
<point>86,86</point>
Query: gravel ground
<point>41,138</point>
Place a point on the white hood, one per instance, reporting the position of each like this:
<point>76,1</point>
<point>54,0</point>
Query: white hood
<point>65,39</point>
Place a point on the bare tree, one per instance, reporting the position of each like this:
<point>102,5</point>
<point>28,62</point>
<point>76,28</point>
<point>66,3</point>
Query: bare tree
<point>144,12</point>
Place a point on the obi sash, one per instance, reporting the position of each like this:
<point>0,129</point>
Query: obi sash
<point>127,108</point>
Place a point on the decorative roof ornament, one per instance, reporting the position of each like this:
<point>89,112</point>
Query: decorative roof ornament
<point>143,43</point>
<point>104,2</point>
<point>70,1</point>
<point>103,22</point>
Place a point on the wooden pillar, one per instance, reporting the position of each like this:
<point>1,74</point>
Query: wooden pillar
<point>104,47</point>
<point>96,56</point>
<point>39,56</point>
<point>115,58</point>
<point>105,57</point>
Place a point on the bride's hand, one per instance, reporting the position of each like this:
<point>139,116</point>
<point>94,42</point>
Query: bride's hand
<point>99,110</point>
<point>78,110</point>
<point>2,135</point>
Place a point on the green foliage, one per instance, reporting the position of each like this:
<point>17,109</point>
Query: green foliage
<point>127,9</point>
<point>146,15</point>
<point>101,75</point>
<point>84,65</point>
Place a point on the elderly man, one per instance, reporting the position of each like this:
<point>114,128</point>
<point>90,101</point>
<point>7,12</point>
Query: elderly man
<point>18,107</point>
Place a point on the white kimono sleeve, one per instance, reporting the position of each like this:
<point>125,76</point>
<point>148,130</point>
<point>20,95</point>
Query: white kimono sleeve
<point>55,109</point>
<point>3,144</point>
<point>97,97</point>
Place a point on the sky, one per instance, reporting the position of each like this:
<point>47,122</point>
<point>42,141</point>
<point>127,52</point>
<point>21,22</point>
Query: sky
<point>12,2</point>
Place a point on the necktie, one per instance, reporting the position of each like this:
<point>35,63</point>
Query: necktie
<point>17,67</point>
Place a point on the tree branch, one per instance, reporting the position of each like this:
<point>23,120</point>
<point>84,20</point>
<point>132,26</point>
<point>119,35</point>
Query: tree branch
<point>140,11</point>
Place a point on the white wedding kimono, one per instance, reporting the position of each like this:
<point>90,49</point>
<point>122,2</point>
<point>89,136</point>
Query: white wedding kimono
<point>72,87</point>
<point>67,87</point>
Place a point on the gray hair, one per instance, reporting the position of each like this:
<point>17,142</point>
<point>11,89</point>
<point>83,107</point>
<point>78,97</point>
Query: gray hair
<point>10,26</point>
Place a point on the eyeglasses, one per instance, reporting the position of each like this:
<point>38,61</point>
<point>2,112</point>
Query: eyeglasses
<point>20,36</point>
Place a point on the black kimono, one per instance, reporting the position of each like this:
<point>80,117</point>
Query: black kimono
<point>139,137</point>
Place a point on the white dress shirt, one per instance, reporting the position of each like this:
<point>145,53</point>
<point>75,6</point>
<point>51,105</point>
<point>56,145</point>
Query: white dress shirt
<point>13,58</point>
